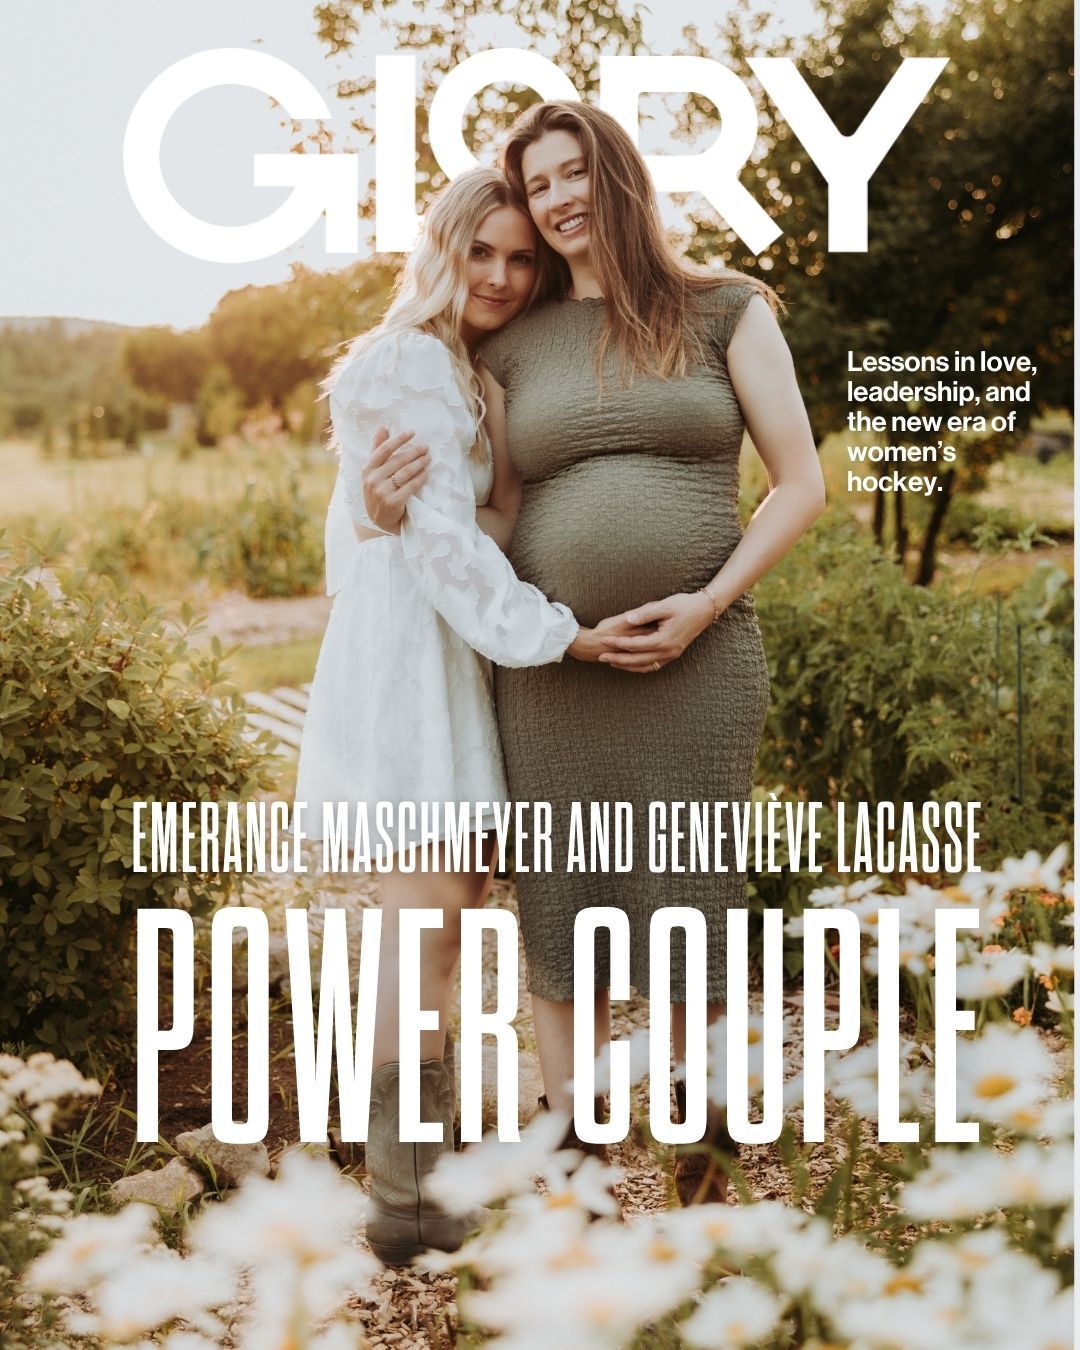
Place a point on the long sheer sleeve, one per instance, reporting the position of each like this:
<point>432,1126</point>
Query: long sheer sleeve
<point>406,382</point>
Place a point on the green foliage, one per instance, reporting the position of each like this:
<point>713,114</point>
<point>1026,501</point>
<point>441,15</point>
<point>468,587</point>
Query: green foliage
<point>119,547</point>
<point>101,705</point>
<point>53,372</point>
<point>986,528</point>
<point>969,233</point>
<point>219,407</point>
<point>272,339</point>
<point>443,34</point>
<point>886,692</point>
<point>274,545</point>
<point>970,212</point>
<point>35,1096</point>
<point>168,364</point>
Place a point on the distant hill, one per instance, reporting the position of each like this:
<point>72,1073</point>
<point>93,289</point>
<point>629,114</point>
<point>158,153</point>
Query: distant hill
<point>54,370</point>
<point>68,327</point>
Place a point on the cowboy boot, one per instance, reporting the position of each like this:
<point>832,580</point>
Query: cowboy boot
<point>403,1218</point>
<point>700,1177</point>
<point>350,1156</point>
<point>570,1138</point>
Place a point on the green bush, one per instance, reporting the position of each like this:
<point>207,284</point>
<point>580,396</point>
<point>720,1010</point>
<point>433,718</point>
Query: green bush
<point>974,524</point>
<point>885,691</point>
<point>100,705</point>
<point>119,547</point>
<point>267,542</point>
<point>275,544</point>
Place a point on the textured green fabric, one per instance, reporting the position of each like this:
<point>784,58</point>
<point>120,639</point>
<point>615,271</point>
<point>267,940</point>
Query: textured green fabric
<point>629,495</point>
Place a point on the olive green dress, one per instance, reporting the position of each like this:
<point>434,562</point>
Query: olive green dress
<point>629,495</point>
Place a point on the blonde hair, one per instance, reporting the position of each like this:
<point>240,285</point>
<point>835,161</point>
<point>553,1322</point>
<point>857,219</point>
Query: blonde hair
<point>652,297</point>
<point>431,290</point>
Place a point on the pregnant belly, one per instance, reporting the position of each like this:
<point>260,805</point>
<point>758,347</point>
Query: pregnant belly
<point>613,532</point>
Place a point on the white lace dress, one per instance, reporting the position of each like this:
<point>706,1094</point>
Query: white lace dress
<point>401,707</point>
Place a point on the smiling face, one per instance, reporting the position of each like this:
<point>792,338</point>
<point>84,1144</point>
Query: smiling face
<point>558,191</point>
<point>500,273</point>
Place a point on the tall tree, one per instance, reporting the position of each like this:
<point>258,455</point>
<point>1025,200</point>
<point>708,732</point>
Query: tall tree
<point>443,33</point>
<point>166,363</point>
<point>970,217</point>
<point>273,338</point>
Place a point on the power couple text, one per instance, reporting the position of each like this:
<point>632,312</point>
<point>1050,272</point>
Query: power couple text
<point>697,837</point>
<point>329,1031</point>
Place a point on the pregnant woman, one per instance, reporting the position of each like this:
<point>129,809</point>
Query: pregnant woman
<point>624,400</point>
<point>401,706</point>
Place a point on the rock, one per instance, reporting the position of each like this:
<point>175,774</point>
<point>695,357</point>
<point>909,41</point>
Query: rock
<point>167,1187</point>
<point>320,1152</point>
<point>279,963</point>
<point>232,1163</point>
<point>530,1086</point>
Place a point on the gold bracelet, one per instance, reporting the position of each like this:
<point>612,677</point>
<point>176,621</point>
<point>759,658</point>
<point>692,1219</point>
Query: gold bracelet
<point>716,611</point>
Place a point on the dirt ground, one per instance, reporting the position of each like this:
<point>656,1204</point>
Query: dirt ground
<point>236,617</point>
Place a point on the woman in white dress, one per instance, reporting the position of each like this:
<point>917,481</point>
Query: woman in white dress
<point>401,707</point>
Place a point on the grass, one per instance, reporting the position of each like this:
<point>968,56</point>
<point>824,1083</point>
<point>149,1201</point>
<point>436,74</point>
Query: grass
<point>1002,576</point>
<point>86,506</point>
<point>47,492</point>
<point>1042,492</point>
<point>266,667</point>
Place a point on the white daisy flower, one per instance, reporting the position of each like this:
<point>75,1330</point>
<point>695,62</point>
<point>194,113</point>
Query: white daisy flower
<point>738,1312</point>
<point>1003,1075</point>
<point>493,1169</point>
<point>990,974</point>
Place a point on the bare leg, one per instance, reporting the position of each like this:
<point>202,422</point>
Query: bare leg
<point>439,951</point>
<point>553,1023</point>
<point>713,1011</point>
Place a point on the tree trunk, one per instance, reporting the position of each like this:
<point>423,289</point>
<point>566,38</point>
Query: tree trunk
<point>879,516</point>
<point>928,558</point>
<point>900,543</point>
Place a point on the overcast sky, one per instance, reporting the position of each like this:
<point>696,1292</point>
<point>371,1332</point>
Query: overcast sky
<point>71,241</point>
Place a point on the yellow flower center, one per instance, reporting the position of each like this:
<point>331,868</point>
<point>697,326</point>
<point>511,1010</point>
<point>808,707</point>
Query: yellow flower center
<point>600,1314</point>
<point>995,1085</point>
<point>904,1283</point>
<point>576,1254</point>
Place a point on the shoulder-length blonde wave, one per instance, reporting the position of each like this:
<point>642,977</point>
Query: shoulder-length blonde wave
<point>652,297</point>
<point>431,290</point>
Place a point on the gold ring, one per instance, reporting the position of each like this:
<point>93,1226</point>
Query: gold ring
<point>656,665</point>
<point>393,479</point>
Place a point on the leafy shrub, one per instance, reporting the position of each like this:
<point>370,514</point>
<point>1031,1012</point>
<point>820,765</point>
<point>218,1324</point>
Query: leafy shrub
<point>884,691</point>
<point>976,524</point>
<point>1045,606</point>
<point>119,546</point>
<point>267,543</point>
<point>274,545</point>
<point>219,406</point>
<point>100,705</point>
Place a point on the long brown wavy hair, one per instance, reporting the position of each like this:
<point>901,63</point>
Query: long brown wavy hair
<point>652,297</point>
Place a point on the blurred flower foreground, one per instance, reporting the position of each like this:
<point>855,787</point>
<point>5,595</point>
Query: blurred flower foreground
<point>915,1246</point>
